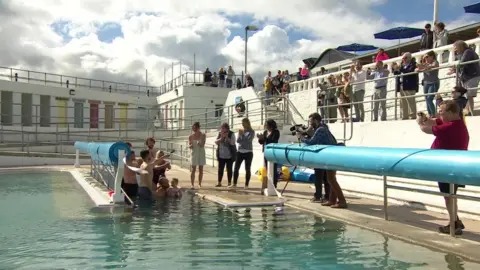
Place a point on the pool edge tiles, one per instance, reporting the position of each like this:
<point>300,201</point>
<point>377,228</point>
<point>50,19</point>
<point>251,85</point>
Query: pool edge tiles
<point>98,195</point>
<point>458,246</point>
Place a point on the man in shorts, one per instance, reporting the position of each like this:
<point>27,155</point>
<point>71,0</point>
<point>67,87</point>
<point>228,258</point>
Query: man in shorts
<point>450,134</point>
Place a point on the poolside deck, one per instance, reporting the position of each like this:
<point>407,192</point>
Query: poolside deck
<point>417,226</point>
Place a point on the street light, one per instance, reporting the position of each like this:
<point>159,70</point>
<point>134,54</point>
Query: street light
<point>248,28</point>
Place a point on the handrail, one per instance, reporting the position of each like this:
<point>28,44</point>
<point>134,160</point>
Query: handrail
<point>295,86</point>
<point>104,85</point>
<point>452,166</point>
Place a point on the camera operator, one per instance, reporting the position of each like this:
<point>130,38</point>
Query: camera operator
<point>323,136</point>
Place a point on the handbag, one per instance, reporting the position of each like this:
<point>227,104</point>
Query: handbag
<point>232,148</point>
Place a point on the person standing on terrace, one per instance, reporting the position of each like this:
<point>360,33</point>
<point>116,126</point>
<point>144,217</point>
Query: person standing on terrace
<point>270,135</point>
<point>230,77</point>
<point>380,75</point>
<point>207,77</point>
<point>358,77</point>
<point>226,153</point>
<point>450,134</point>
<point>467,75</point>
<point>431,82</point>
<point>304,72</point>
<point>268,86</point>
<point>381,55</point>
<point>221,77</point>
<point>426,41</point>
<point>409,86</point>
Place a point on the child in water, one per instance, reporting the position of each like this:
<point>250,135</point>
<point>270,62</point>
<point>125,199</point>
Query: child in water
<point>174,190</point>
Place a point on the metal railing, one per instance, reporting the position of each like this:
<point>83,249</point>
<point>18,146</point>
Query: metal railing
<point>395,99</point>
<point>68,81</point>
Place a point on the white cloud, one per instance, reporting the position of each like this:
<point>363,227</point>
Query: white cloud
<point>155,35</point>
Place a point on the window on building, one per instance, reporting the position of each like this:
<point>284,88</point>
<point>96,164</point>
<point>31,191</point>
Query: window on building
<point>93,115</point>
<point>78,114</point>
<point>45,107</point>
<point>6,108</point>
<point>175,111</point>
<point>218,110</point>
<point>109,115</point>
<point>27,106</point>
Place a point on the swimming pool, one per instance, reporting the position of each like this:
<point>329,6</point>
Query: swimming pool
<point>48,222</point>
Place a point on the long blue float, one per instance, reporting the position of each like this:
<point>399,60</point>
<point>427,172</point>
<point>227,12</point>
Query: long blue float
<point>456,167</point>
<point>106,152</point>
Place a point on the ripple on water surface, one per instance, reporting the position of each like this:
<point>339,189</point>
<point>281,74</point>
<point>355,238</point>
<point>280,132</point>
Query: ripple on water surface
<point>48,222</point>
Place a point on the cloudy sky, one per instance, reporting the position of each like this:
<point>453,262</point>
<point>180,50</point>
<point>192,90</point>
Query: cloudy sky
<point>119,39</point>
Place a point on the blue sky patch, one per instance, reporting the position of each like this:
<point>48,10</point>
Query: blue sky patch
<point>109,31</point>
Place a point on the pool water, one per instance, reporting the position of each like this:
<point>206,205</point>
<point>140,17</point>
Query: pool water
<point>48,222</point>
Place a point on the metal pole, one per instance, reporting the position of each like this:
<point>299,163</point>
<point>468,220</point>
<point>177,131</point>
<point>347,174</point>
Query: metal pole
<point>452,206</point>
<point>435,11</point>
<point>164,76</point>
<point>194,69</point>
<point>146,78</point>
<point>385,198</point>
<point>246,41</point>
<point>172,72</point>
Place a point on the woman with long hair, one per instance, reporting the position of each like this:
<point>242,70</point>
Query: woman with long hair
<point>270,135</point>
<point>226,152</point>
<point>196,142</point>
<point>245,151</point>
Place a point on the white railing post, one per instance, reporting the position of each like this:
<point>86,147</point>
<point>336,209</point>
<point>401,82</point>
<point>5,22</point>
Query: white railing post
<point>77,159</point>
<point>117,196</point>
<point>271,190</point>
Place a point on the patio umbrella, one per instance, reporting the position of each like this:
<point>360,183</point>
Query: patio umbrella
<point>475,8</point>
<point>399,33</point>
<point>355,47</point>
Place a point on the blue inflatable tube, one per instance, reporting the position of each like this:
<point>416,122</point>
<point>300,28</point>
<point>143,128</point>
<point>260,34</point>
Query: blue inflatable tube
<point>457,167</point>
<point>107,152</point>
<point>301,176</point>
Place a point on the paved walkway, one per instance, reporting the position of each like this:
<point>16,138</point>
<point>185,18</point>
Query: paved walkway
<point>421,224</point>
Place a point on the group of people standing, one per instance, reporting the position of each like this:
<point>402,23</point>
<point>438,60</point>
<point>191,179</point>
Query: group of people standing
<point>153,183</point>
<point>227,152</point>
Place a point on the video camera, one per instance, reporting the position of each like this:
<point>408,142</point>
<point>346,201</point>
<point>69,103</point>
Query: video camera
<point>302,130</point>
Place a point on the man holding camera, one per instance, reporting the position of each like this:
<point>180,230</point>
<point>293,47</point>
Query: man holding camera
<point>323,136</point>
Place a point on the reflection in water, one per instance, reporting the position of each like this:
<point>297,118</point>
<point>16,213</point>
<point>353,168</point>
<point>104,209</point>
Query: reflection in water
<point>185,234</point>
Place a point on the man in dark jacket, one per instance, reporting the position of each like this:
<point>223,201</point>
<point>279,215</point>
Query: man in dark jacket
<point>409,87</point>
<point>426,41</point>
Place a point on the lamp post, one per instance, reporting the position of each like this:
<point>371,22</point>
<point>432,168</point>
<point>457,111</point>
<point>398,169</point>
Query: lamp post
<point>248,28</point>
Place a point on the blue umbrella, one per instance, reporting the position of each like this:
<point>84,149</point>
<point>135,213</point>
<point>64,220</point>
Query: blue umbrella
<point>475,8</point>
<point>399,33</point>
<point>355,47</point>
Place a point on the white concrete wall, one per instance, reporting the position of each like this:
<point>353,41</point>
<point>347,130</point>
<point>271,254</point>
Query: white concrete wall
<point>9,161</point>
<point>199,104</point>
<point>253,108</point>
<point>80,95</point>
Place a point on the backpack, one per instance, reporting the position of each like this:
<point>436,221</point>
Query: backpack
<point>268,84</point>
<point>333,140</point>
<point>232,148</point>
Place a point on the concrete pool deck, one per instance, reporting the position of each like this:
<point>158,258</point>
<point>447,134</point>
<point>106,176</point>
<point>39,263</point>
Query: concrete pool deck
<point>416,226</point>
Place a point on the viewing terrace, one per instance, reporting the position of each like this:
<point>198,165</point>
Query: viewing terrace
<point>59,80</point>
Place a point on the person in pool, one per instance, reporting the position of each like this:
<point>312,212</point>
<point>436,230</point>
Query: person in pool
<point>146,187</point>
<point>162,188</point>
<point>160,169</point>
<point>129,181</point>
<point>174,190</point>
